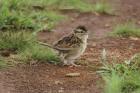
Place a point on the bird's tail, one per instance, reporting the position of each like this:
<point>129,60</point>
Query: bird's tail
<point>45,44</point>
<point>50,46</point>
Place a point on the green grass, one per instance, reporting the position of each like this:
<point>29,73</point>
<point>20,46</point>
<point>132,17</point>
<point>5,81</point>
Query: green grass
<point>103,7</point>
<point>41,14</point>
<point>43,54</point>
<point>123,77</point>
<point>113,83</point>
<point>39,53</point>
<point>19,15</point>
<point>35,15</point>
<point>126,30</point>
<point>80,5</point>
<point>12,18</point>
<point>3,64</point>
<point>24,44</point>
<point>17,41</point>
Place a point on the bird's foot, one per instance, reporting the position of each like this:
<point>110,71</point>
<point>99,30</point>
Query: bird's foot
<point>71,65</point>
<point>74,65</point>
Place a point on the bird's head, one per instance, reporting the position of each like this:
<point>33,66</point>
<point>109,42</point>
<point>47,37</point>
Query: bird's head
<point>81,32</point>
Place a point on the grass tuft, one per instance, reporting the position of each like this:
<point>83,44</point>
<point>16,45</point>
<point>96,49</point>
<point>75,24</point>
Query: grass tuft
<point>17,41</point>
<point>39,53</point>
<point>23,43</point>
<point>122,78</point>
<point>113,83</point>
<point>103,7</point>
<point>3,64</point>
<point>126,30</point>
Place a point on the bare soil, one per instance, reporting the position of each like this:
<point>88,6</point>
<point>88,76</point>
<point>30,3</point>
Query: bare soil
<point>49,78</point>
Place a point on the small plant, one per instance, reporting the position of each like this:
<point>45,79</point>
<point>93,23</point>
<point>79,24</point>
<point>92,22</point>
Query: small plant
<point>39,53</point>
<point>122,78</point>
<point>3,63</point>
<point>17,41</point>
<point>25,47</point>
<point>113,83</point>
<point>103,7</point>
<point>126,30</point>
<point>43,54</point>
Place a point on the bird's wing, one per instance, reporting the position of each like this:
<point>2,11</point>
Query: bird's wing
<point>68,43</point>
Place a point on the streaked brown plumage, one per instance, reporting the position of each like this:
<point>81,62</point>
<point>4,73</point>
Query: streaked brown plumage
<point>70,41</point>
<point>72,46</point>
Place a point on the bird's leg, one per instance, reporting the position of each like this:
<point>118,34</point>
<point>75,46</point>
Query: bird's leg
<point>65,62</point>
<point>71,62</point>
<point>62,59</point>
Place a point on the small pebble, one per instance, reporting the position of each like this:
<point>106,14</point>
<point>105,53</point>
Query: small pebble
<point>107,25</point>
<point>58,82</point>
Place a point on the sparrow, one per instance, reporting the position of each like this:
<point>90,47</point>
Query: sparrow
<point>72,46</point>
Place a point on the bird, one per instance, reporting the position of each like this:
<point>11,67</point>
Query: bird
<point>72,46</point>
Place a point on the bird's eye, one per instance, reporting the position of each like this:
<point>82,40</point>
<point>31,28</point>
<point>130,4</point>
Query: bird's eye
<point>79,31</point>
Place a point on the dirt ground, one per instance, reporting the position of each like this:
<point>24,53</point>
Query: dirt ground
<point>48,78</point>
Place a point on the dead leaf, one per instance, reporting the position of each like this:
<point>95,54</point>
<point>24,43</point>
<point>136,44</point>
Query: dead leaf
<point>134,38</point>
<point>73,75</point>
